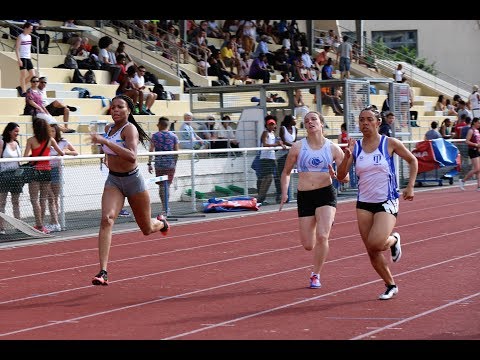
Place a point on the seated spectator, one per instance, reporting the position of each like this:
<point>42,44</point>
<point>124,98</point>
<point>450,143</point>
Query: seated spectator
<point>433,132</point>
<point>300,109</point>
<point>108,63</point>
<point>214,30</point>
<point>217,68</point>
<point>322,56</point>
<point>188,137</point>
<point>230,57</point>
<point>369,60</point>
<point>244,67</point>
<point>260,69</point>
<point>281,57</point>
<point>446,129</point>
<point>227,133</point>
<point>285,77</point>
<point>331,100</point>
<point>55,107</point>
<point>202,63</point>
<point>126,88</point>
<point>34,103</point>
<point>149,97</point>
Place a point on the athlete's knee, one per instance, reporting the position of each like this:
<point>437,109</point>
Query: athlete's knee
<point>107,220</point>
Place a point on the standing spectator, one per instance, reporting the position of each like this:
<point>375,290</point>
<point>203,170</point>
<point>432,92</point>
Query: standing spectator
<point>344,53</point>
<point>268,164</point>
<point>474,101</point>
<point>314,157</point>
<point>39,145</point>
<point>56,169</point>
<point>188,137</point>
<point>23,48</point>
<point>377,201</point>
<point>433,133</point>
<point>398,74</point>
<point>411,115</point>
<point>10,148</point>
<point>248,35</point>
<point>288,135</point>
<point>55,107</point>
<point>473,142</point>
<point>343,138</point>
<point>164,140</point>
<point>356,52</point>
<point>120,145</point>
<point>386,125</point>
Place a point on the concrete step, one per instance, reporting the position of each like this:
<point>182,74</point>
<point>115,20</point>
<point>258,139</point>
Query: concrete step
<point>8,93</point>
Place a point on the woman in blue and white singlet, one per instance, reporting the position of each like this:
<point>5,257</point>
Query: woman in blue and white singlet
<point>313,157</point>
<point>377,200</point>
<point>120,145</point>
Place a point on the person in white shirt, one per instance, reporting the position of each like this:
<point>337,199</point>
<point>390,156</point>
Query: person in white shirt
<point>149,97</point>
<point>23,46</point>
<point>474,102</point>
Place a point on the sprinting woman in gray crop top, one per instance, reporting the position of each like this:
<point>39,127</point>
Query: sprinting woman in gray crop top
<point>120,145</point>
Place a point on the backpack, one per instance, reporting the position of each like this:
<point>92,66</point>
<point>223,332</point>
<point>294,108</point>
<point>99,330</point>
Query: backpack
<point>78,77</point>
<point>161,93</point>
<point>70,62</point>
<point>90,77</point>
<point>82,92</point>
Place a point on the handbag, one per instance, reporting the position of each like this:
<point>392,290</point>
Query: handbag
<point>27,172</point>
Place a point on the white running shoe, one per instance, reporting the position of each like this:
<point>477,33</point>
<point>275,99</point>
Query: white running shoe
<point>388,294</point>
<point>461,183</point>
<point>396,249</point>
<point>315,282</point>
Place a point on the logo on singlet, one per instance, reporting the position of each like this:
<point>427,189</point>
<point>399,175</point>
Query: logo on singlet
<point>315,162</point>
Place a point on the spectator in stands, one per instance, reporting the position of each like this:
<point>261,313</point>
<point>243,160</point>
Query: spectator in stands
<point>450,108</point>
<point>126,88</point>
<point>55,107</point>
<point>217,68</point>
<point>200,42</point>
<point>23,48</point>
<point>462,109</point>
<point>202,63</point>
<point>42,37</point>
<point>262,48</point>
<point>285,77</point>
<point>464,130</point>
<point>69,36</point>
<point>206,130</point>
<point>213,30</point>
<point>446,128</point>
<point>245,64</point>
<point>260,69</point>
<point>398,74</point>
<point>308,64</point>
<point>281,57</point>
<point>108,64</point>
<point>322,56</point>
<point>120,144</point>
<point>39,145</point>
<point>268,163</point>
<point>34,103</point>
<point>369,60</point>
<point>171,45</point>
<point>387,123</point>
<point>56,168</point>
<point>164,140</point>
<point>327,70</point>
<point>188,137</point>
<point>331,100</point>
<point>458,126</point>
<point>248,35</point>
<point>300,108</point>
<point>474,101</point>
<point>344,57</point>
<point>433,133</point>
<point>229,57</point>
<point>149,97</point>
<point>300,72</point>
<point>227,133</point>
<point>10,148</point>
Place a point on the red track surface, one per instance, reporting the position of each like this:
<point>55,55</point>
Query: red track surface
<point>246,277</point>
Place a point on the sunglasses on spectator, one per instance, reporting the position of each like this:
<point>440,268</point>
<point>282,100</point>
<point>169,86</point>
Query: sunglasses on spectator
<point>43,82</point>
<point>34,81</point>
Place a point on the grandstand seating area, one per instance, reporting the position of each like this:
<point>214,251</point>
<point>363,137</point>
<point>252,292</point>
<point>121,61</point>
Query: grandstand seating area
<point>59,87</point>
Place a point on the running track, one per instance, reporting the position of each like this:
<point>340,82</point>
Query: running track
<point>245,276</point>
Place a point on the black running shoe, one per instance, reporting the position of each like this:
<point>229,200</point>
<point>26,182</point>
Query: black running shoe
<point>19,90</point>
<point>101,278</point>
<point>72,108</point>
<point>166,226</point>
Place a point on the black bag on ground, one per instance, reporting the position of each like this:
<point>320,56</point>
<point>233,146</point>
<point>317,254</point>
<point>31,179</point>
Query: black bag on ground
<point>78,77</point>
<point>90,77</point>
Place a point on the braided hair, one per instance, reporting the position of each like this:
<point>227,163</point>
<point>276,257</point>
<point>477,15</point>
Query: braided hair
<point>143,136</point>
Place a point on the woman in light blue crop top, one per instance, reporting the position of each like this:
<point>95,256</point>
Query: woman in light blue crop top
<point>120,145</point>
<point>316,197</point>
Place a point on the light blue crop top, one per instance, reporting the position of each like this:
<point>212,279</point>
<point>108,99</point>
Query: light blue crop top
<point>116,138</point>
<point>310,160</point>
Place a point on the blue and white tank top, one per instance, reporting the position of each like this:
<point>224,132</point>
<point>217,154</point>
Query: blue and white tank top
<point>310,160</point>
<point>115,138</point>
<point>375,172</point>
